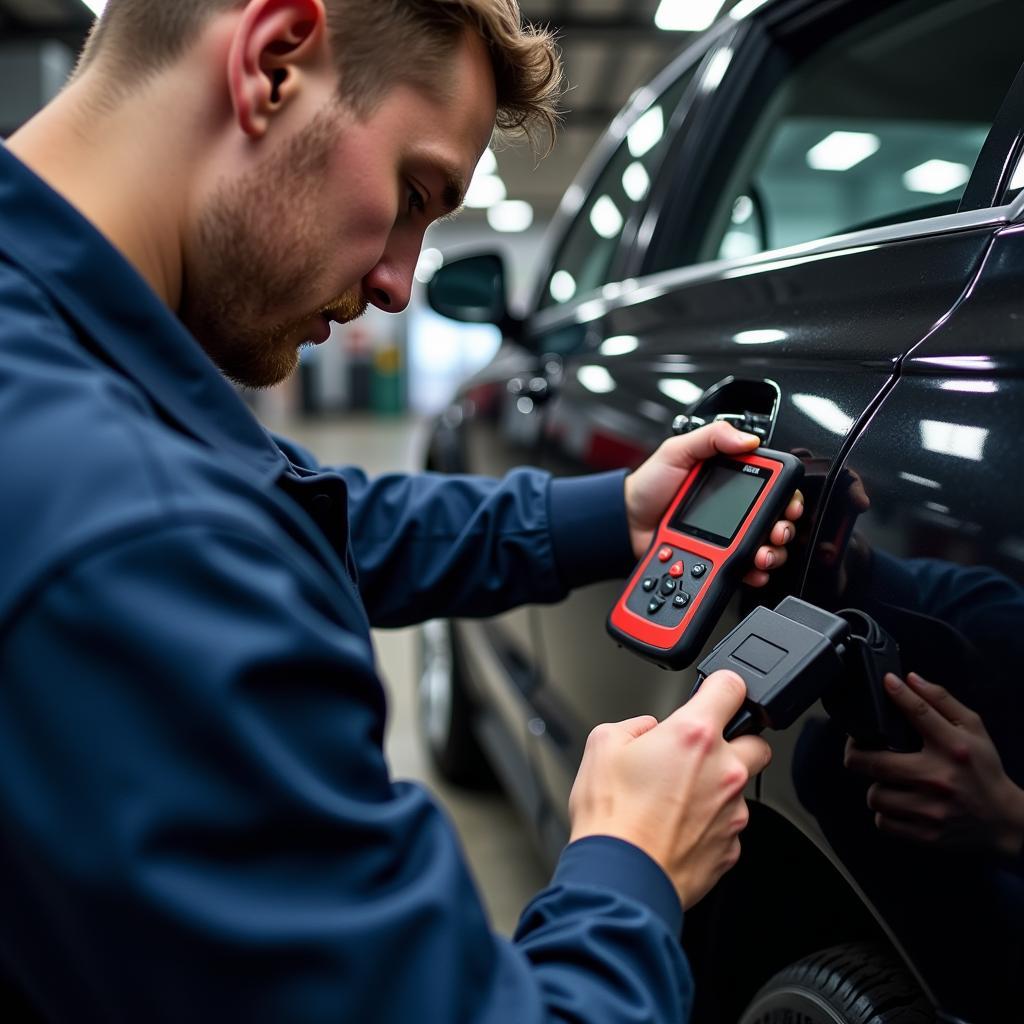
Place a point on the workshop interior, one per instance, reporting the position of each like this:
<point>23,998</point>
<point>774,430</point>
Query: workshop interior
<point>804,218</point>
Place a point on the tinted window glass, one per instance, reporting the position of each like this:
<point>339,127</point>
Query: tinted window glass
<point>882,124</point>
<point>586,255</point>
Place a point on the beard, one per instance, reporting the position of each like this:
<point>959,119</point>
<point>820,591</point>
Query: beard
<point>240,275</point>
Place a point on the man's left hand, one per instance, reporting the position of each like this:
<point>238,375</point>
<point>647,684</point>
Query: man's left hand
<point>651,488</point>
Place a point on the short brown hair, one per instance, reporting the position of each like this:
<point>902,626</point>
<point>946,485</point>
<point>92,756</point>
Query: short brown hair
<point>377,44</point>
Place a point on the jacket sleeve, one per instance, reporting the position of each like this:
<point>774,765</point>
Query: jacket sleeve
<point>199,824</point>
<point>431,545</point>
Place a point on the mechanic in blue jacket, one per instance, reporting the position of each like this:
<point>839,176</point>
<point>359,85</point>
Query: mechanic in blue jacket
<point>198,823</point>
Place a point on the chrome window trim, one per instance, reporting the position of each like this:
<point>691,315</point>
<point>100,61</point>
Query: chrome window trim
<point>598,303</point>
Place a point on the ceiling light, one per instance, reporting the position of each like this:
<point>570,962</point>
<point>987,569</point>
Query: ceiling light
<point>683,391</point>
<point>430,262</point>
<point>485,190</point>
<point>563,286</point>
<point>765,337</point>
<point>511,216</point>
<point>621,345</point>
<point>842,150</point>
<point>488,164</point>
<point>636,181</point>
<point>646,133</point>
<point>742,209</point>
<point>953,439</point>
<point>687,15</point>
<point>605,218</point>
<point>936,177</point>
<point>824,412</point>
<point>596,379</point>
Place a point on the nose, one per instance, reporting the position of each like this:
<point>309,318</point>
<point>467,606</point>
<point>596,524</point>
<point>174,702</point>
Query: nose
<point>389,285</point>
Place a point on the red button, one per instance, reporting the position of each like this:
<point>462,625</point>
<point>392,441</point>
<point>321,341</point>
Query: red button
<point>664,554</point>
<point>676,570</point>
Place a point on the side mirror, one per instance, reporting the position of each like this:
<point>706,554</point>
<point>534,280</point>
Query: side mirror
<point>471,289</point>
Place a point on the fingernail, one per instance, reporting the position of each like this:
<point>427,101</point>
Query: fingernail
<point>769,560</point>
<point>892,683</point>
<point>750,437</point>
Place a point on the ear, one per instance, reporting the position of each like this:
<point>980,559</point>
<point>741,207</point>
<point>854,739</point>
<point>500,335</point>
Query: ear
<point>275,43</point>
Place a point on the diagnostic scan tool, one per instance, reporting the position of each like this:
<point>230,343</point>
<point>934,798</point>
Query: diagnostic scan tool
<point>703,547</point>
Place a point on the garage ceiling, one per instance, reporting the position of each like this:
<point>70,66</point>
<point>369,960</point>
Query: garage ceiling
<point>611,47</point>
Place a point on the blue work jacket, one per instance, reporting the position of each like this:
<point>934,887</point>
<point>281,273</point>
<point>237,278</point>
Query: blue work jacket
<point>197,820</point>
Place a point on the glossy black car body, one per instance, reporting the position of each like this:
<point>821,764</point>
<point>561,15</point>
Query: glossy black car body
<point>889,356</point>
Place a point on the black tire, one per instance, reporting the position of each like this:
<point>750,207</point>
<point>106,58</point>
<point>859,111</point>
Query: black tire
<point>446,712</point>
<point>855,983</point>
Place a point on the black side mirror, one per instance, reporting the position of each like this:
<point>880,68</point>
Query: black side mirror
<point>471,289</point>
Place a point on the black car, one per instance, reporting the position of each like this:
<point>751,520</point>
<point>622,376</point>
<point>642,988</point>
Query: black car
<point>810,222</point>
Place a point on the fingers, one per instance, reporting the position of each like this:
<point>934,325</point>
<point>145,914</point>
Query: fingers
<point>707,441</point>
<point>634,727</point>
<point>942,700</point>
<point>768,558</point>
<point>720,696</point>
<point>919,712</point>
<point>884,765</point>
<point>754,752</point>
<point>795,508</point>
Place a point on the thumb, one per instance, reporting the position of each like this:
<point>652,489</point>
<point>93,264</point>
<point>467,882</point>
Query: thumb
<point>636,727</point>
<point>719,697</point>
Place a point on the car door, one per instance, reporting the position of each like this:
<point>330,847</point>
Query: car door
<point>769,281</point>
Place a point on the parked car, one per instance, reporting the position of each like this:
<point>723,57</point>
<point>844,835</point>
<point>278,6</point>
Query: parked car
<point>812,216</point>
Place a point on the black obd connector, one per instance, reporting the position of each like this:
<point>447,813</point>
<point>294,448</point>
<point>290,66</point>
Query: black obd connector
<point>798,654</point>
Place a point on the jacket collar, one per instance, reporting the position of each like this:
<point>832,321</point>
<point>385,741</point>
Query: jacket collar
<point>110,303</point>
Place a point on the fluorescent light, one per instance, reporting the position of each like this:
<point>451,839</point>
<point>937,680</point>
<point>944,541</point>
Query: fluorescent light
<point>430,262</point>
<point>646,133</point>
<point>620,345</point>
<point>913,478</point>
<point>511,216</point>
<point>1017,181</point>
<point>824,412</point>
<point>563,286</point>
<point>765,337</point>
<point>936,177</point>
<point>596,379</point>
<point>605,218</point>
<point>980,387</point>
<point>842,150</point>
<point>96,6</point>
<point>742,209</point>
<point>485,190</point>
<point>488,164</point>
<point>716,70</point>
<point>953,439</point>
<point>745,8</point>
<point>683,391</point>
<point>636,181</point>
<point>687,15</point>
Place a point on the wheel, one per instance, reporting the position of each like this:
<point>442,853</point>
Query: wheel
<point>445,711</point>
<point>851,984</point>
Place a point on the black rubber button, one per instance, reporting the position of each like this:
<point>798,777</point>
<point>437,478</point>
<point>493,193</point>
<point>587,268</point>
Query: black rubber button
<point>681,600</point>
<point>649,584</point>
<point>668,586</point>
<point>698,570</point>
<point>655,605</point>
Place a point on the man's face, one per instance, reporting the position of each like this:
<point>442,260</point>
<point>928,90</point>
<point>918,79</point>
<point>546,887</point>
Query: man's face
<point>330,221</point>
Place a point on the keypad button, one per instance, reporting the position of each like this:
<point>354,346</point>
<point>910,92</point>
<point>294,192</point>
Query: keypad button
<point>676,570</point>
<point>665,553</point>
<point>649,584</point>
<point>681,600</point>
<point>655,605</point>
<point>668,585</point>
<point>698,570</point>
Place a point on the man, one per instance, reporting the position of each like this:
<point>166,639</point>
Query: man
<point>198,823</point>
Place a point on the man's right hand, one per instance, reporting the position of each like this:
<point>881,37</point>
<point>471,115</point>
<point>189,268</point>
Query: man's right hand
<point>674,788</point>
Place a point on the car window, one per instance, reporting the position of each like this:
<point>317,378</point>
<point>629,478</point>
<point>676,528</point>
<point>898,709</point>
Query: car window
<point>881,124</point>
<point>585,257</point>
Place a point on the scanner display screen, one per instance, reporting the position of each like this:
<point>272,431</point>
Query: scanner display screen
<point>720,503</point>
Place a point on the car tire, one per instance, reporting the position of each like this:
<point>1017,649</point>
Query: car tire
<point>851,984</point>
<point>446,712</point>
